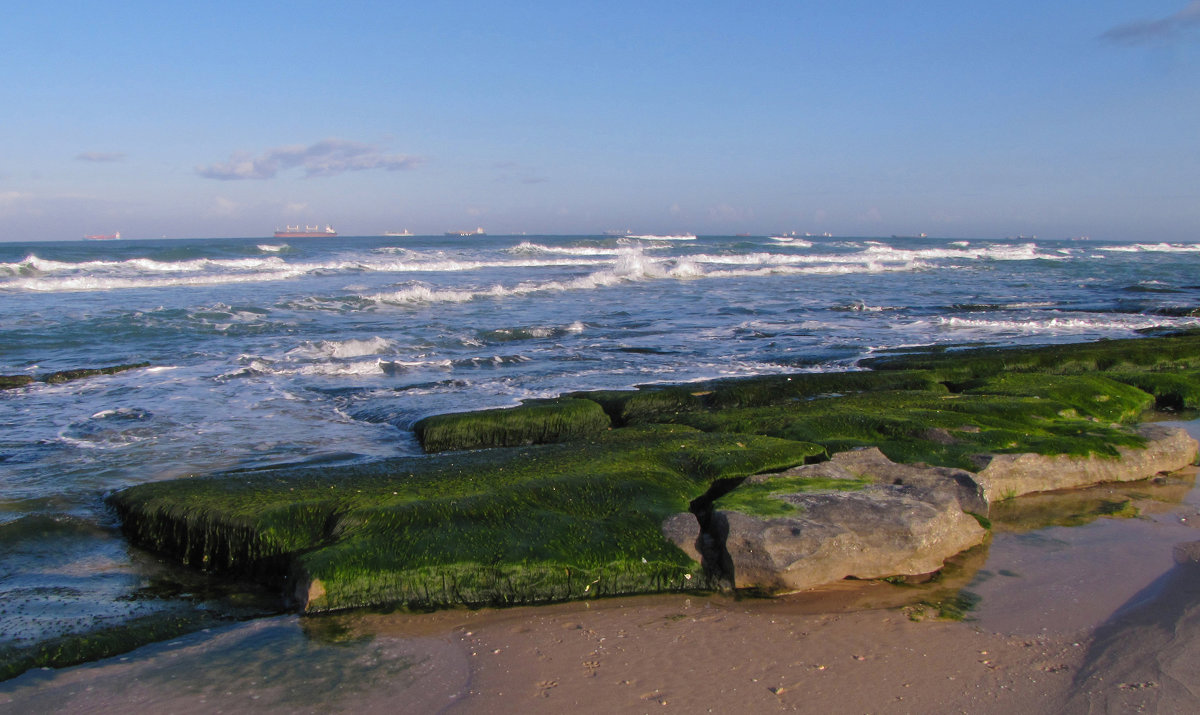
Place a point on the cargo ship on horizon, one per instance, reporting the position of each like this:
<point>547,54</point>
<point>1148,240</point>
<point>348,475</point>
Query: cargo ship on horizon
<point>306,232</point>
<point>102,236</point>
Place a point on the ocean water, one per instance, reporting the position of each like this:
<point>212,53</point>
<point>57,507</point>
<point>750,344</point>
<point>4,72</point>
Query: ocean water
<point>265,351</point>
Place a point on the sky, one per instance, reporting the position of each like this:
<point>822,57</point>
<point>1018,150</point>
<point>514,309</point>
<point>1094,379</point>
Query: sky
<point>959,119</point>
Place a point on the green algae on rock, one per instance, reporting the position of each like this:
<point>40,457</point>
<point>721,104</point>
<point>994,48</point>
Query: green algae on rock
<point>503,526</point>
<point>55,378</point>
<point>535,422</point>
<point>8,382</point>
<point>1179,351</point>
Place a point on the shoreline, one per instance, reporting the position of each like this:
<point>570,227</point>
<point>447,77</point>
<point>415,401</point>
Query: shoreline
<point>1048,601</point>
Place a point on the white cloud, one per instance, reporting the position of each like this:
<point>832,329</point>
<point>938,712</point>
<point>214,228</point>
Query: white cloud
<point>1148,31</point>
<point>99,156</point>
<point>328,157</point>
<point>224,207</point>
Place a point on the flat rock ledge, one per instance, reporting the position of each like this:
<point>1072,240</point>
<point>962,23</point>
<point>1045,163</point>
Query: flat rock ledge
<point>1167,449</point>
<point>907,521</point>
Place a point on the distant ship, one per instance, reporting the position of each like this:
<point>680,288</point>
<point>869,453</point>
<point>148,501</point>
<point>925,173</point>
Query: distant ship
<point>477,232</point>
<point>102,236</point>
<point>405,232</point>
<point>306,232</point>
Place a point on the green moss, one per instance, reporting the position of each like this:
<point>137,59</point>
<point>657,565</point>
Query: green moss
<point>646,405</point>
<point>1171,390</point>
<point>784,389</point>
<point>518,525</point>
<point>928,427</point>
<point>101,643</point>
<point>1175,352</point>
<point>1082,395</point>
<point>663,403</point>
<point>958,607</point>
<point>535,422</point>
<point>759,498</point>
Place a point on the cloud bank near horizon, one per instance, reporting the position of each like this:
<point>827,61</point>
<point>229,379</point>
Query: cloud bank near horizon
<point>1150,31</point>
<point>328,157</point>
<point>100,156</point>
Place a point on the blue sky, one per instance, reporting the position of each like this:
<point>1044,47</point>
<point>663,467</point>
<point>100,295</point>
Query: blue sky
<point>957,119</point>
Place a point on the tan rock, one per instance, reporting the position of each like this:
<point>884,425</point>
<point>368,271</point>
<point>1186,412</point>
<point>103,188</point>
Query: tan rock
<point>1168,449</point>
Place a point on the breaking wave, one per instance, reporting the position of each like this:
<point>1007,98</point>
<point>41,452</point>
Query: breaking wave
<point>623,262</point>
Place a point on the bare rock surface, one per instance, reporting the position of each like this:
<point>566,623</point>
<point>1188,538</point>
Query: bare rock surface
<point>907,521</point>
<point>1168,449</point>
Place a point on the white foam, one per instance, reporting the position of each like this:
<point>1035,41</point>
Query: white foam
<point>530,247</point>
<point>1068,325</point>
<point>92,283</point>
<point>343,348</point>
<point>268,248</point>
<point>1153,248</point>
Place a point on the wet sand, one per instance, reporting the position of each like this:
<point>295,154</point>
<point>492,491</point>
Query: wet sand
<point>814,652</point>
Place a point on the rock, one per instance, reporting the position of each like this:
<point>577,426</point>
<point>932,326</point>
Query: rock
<point>55,378</point>
<point>1168,449</point>
<point>907,523</point>
<point>8,382</point>
<point>933,484</point>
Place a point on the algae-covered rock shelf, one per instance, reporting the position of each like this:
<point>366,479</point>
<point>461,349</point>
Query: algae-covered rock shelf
<point>515,525</point>
<point>697,486</point>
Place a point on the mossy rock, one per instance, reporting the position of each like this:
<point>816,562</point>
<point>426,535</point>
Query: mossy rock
<point>935,428</point>
<point>55,378</point>
<point>1179,351</point>
<point>1094,396</point>
<point>646,405</point>
<point>758,498</point>
<point>762,391</point>
<point>8,382</point>
<point>502,526</point>
<point>1171,390</point>
<point>535,422</point>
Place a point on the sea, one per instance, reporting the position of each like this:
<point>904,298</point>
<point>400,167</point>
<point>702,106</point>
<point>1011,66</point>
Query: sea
<point>325,351</point>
